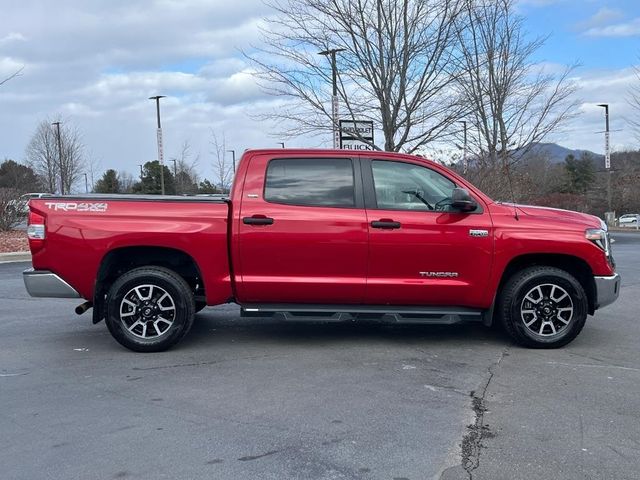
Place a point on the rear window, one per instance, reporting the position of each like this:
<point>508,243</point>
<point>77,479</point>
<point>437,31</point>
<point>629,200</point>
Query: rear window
<point>326,182</point>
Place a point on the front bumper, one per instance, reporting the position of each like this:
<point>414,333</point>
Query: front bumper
<point>43,283</point>
<point>607,290</point>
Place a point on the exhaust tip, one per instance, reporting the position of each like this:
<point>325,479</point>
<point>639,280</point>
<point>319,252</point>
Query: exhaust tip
<point>80,309</point>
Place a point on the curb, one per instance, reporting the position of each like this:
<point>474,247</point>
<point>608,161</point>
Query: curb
<point>15,257</point>
<point>623,230</point>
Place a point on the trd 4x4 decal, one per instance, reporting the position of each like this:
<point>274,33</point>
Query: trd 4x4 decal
<point>77,207</point>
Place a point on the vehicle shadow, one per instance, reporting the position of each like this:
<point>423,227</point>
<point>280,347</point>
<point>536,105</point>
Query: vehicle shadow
<point>218,327</point>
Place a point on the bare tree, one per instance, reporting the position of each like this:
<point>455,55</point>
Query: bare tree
<point>15,74</point>
<point>223,169</point>
<point>395,69</point>
<point>127,181</point>
<point>186,170</point>
<point>92,167</point>
<point>43,155</point>
<point>512,102</point>
<point>10,209</point>
<point>634,101</point>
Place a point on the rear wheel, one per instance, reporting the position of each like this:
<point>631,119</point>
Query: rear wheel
<point>543,307</point>
<point>149,309</point>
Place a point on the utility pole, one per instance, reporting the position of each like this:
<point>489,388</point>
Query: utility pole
<point>607,153</point>
<point>57,124</point>
<point>233,156</point>
<point>159,135</point>
<point>465,164</point>
<point>86,184</point>
<point>334,99</point>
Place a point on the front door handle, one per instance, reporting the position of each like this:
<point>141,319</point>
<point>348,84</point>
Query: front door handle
<point>386,224</point>
<point>257,220</point>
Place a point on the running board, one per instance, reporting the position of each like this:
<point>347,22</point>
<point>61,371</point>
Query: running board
<point>350,313</point>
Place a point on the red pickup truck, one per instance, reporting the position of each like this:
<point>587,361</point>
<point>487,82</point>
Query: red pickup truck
<point>324,235</point>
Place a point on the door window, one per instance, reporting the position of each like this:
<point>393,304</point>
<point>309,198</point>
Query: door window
<point>323,182</point>
<point>405,186</point>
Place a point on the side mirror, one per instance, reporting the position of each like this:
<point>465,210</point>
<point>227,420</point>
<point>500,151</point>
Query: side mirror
<point>462,201</point>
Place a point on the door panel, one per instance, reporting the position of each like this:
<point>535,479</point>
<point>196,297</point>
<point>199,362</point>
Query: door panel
<point>429,257</point>
<point>301,253</point>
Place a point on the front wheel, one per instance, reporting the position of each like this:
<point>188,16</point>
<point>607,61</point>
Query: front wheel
<point>149,309</point>
<point>543,307</point>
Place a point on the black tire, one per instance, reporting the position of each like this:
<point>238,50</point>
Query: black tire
<point>543,307</point>
<point>149,324</point>
<point>200,305</point>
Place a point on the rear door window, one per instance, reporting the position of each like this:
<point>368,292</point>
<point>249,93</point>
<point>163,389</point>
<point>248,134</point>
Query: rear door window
<point>326,182</point>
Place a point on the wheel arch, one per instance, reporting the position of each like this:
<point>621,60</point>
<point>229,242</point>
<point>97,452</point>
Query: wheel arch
<point>120,260</point>
<point>569,263</point>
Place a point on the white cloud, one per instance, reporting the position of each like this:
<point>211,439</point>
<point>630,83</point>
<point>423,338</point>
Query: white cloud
<point>604,16</point>
<point>625,29</point>
<point>12,37</point>
<point>596,87</point>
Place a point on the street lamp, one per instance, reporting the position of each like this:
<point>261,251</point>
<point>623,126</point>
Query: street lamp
<point>607,153</point>
<point>159,136</point>
<point>233,156</point>
<point>281,143</point>
<point>57,124</point>
<point>86,184</point>
<point>334,99</point>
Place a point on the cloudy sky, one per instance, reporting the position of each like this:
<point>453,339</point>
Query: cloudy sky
<point>94,64</point>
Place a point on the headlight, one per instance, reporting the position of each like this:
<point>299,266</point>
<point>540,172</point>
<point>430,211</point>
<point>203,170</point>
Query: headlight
<point>600,237</point>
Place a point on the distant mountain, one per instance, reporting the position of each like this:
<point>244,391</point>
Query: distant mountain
<point>557,153</point>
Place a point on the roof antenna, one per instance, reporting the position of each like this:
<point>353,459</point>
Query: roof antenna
<point>513,195</point>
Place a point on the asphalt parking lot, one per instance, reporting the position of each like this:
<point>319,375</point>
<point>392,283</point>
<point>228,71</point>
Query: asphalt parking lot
<point>258,399</point>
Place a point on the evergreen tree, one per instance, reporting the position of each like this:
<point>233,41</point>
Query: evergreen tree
<point>109,183</point>
<point>581,173</point>
<point>150,182</point>
<point>19,177</point>
<point>207,187</point>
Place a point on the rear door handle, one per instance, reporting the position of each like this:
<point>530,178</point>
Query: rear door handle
<point>257,220</point>
<point>386,224</point>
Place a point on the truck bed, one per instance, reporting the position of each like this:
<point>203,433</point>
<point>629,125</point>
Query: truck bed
<point>83,229</point>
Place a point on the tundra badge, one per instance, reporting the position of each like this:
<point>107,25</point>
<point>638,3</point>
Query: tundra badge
<point>439,274</point>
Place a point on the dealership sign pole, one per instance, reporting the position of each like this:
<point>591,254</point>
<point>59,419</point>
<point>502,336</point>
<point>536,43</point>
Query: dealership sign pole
<point>607,152</point>
<point>334,98</point>
<point>334,115</point>
<point>159,137</point>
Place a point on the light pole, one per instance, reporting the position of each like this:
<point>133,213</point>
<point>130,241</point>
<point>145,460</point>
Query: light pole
<point>57,124</point>
<point>141,175</point>
<point>159,135</point>
<point>334,99</point>
<point>86,184</point>
<point>281,143</point>
<point>607,153</point>
<point>233,156</point>
<point>464,147</point>
<point>175,173</point>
